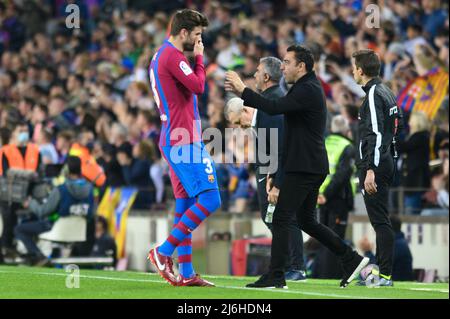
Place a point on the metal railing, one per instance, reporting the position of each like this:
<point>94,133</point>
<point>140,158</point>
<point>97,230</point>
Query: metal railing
<point>397,197</point>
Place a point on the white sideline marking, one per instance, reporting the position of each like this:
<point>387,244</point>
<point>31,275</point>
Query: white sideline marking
<point>226,287</point>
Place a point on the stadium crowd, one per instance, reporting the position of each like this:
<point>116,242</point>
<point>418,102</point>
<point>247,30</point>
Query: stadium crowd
<point>90,84</point>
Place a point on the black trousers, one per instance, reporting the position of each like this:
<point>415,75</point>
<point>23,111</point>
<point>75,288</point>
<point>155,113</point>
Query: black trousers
<point>10,219</point>
<point>295,260</point>
<point>377,209</point>
<point>298,197</point>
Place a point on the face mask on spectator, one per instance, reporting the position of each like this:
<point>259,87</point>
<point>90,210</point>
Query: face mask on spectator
<point>23,137</point>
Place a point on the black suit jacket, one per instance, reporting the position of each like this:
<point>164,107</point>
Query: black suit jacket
<point>266,121</point>
<point>305,112</point>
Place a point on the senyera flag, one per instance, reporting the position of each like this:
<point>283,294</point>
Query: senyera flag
<point>425,93</point>
<point>115,205</point>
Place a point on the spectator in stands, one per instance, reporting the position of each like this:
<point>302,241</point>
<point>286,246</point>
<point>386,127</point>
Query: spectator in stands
<point>415,38</point>
<point>415,165</point>
<point>38,119</point>
<point>229,54</point>
<point>12,29</point>
<point>46,147</point>
<point>223,180</point>
<point>25,107</point>
<point>64,141</point>
<point>239,187</point>
<point>135,162</point>
<point>350,112</point>
<point>441,187</point>
<point>112,168</point>
<point>432,18</point>
<point>440,130</point>
<point>97,76</point>
<point>403,261</point>
<point>158,170</point>
<point>367,248</point>
<point>104,245</point>
<point>438,196</point>
<point>148,123</point>
<point>118,135</point>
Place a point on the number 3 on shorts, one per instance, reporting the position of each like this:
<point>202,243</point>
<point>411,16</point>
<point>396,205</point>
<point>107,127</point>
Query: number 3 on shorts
<point>208,168</point>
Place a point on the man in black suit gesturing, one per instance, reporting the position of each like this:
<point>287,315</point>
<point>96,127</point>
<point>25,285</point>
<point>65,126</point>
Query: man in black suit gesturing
<point>305,164</point>
<point>268,153</point>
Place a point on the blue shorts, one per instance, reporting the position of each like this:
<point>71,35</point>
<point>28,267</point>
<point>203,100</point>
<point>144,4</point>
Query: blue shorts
<point>192,170</point>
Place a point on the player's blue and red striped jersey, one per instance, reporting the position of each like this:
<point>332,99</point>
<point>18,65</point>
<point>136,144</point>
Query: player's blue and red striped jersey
<point>175,87</point>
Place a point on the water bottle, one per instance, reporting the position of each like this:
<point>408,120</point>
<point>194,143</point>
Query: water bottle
<point>269,213</point>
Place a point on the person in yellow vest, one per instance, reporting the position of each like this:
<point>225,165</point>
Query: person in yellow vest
<point>90,169</point>
<point>18,154</point>
<point>336,193</point>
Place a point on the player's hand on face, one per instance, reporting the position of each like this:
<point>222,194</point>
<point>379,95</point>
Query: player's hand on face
<point>198,47</point>
<point>233,83</point>
<point>369,183</point>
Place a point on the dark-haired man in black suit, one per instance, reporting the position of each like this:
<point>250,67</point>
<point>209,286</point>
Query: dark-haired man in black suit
<point>268,153</point>
<point>305,164</point>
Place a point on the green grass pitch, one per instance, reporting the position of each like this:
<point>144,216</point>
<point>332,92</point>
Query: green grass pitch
<point>26,282</point>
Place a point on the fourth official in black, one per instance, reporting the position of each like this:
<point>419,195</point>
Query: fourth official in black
<point>379,121</point>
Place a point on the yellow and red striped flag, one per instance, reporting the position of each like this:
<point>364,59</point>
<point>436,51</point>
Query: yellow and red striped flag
<point>425,93</point>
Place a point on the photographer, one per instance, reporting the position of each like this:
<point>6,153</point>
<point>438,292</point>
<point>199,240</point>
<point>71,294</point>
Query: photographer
<point>74,197</point>
<point>20,154</point>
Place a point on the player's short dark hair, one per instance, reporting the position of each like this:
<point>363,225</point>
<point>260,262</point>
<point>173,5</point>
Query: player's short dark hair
<point>302,54</point>
<point>187,19</point>
<point>368,61</point>
<point>74,165</point>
